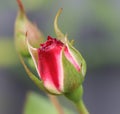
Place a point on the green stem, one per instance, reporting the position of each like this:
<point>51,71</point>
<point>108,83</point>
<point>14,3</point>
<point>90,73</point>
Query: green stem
<point>81,107</point>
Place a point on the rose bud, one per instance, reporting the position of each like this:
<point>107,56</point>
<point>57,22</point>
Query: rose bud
<point>23,26</point>
<point>59,65</point>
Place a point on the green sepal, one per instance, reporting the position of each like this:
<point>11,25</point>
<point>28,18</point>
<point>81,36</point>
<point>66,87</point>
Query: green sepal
<point>58,32</point>
<point>72,77</point>
<point>78,57</point>
<point>34,78</point>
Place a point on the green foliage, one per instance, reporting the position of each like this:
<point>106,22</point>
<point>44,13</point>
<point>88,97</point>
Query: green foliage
<point>37,104</point>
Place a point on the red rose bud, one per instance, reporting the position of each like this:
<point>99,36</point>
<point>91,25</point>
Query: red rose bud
<point>23,26</point>
<point>60,66</point>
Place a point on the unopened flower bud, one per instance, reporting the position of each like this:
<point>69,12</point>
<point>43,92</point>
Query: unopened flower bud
<point>59,65</point>
<point>23,26</point>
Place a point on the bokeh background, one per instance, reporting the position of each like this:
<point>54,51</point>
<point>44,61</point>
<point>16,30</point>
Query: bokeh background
<point>95,27</point>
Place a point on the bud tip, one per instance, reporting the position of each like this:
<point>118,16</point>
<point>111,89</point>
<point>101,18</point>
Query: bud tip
<point>20,5</point>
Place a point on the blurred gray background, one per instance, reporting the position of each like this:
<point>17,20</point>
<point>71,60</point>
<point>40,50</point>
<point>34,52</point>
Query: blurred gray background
<point>95,27</point>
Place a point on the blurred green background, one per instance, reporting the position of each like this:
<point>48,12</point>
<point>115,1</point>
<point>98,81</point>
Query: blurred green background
<point>95,27</point>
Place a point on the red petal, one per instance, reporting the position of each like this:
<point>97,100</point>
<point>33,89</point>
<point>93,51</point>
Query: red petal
<point>50,64</point>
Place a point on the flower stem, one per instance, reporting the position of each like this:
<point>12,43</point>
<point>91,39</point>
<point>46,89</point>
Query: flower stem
<point>56,103</point>
<point>81,107</point>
